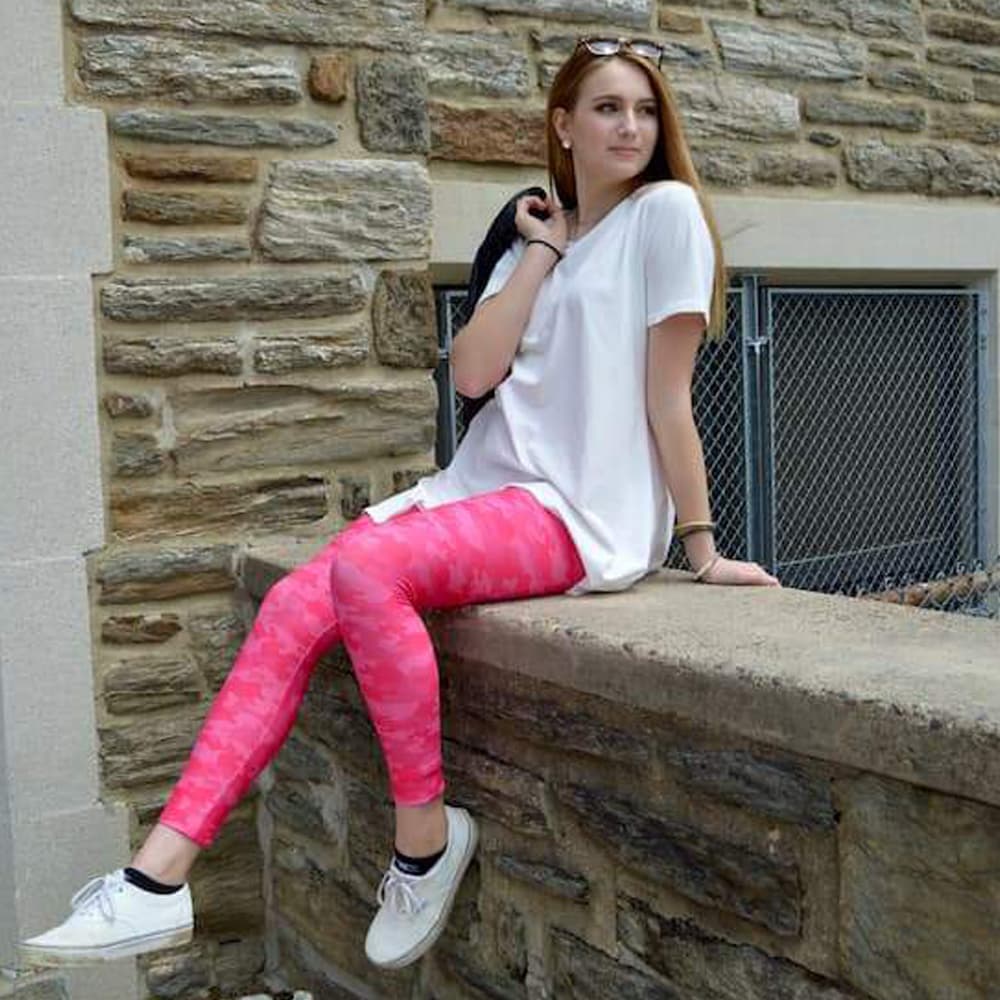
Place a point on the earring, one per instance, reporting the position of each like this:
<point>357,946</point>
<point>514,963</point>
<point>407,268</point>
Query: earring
<point>565,143</point>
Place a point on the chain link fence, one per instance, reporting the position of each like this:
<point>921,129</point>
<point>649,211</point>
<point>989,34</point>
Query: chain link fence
<point>844,438</point>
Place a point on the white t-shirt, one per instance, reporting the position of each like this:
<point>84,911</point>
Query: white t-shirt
<point>569,423</point>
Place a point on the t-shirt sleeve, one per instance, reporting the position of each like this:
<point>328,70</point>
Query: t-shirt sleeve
<point>678,255</point>
<point>502,270</point>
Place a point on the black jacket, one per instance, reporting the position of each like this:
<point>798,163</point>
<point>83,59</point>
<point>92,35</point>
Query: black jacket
<point>500,235</point>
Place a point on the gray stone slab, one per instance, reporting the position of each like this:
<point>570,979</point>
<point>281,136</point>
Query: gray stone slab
<point>221,130</point>
<point>635,13</point>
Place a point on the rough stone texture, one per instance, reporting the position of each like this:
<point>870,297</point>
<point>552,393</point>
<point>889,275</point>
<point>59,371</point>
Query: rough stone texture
<point>736,109</point>
<point>300,760</point>
<point>183,209</point>
<point>982,127</point>
<point>355,496</point>
<point>256,296</point>
<point>128,404</point>
<point>337,22</point>
<point>165,356</point>
<point>144,628</point>
<point>159,574</point>
<point>291,352</point>
<point>156,250</point>
<point>392,106</point>
<point>260,426</point>
<point>403,479</point>
<point>34,986</point>
<point>912,79</point>
<point>147,751</point>
<point>403,318</point>
<point>145,684</point>
<point>550,878</point>
<point>477,65</point>
<point>780,789</point>
<point>328,78</point>
<point>892,50</point>
<point>839,109</point>
<point>295,805</point>
<point>826,139</point>
<point>220,130</point>
<point>176,975</point>
<point>487,135</point>
<point>987,89</point>
<point>697,964</point>
<point>136,454</point>
<point>711,871</point>
<point>239,965</point>
<point>892,18</point>
<point>346,210</point>
<point>154,66</point>
<point>928,169</point>
<point>722,167</point>
<point>634,13</point>
<point>779,167</point>
<point>181,167</point>
<point>584,973</point>
<point>215,641</point>
<point>920,876</point>
<point>985,8</point>
<point>965,29</point>
<point>265,505</point>
<point>680,23</point>
<point>747,48</point>
<point>959,55</point>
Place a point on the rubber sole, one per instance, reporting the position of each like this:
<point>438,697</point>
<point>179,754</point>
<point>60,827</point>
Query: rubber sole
<point>63,957</point>
<point>435,932</point>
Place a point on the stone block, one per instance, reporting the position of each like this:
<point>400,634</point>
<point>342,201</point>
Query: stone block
<point>215,639</point>
<point>759,886</point>
<point>735,109</point>
<point>747,48</point>
<point>474,65</point>
<point>157,250</point>
<point>132,576</point>
<point>136,454</point>
<point>185,167</point>
<point>979,127</point>
<point>180,975</point>
<point>392,106</point>
<point>255,296</point>
<point>355,495</point>
<point>294,805</point>
<point>913,79</point>
<point>220,130</point>
<point>128,404</point>
<point>146,684</point>
<point>38,986</point>
<point>403,318</point>
<point>959,55</point>
<point>825,139</point>
<point>987,89</point>
<point>839,109</point>
<point>386,25</point>
<point>369,822</point>
<point>941,169</point>
<point>779,167</point>
<point>261,426</point>
<point>966,29</point>
<point>585,973</point>
<point>239,965</point>
<point>302,762</point>
<point>548,878</point>
<point>139,629</point>
<point>146,752</point>
<point>173,69</point>
<point>167,208</point>
<point>403,479</point>
<point>297,352</point>
<point>781,789</point>
<point>346,210</point>
<point>885,18</point>
<point>257,505</point>
<point>167,356</point>
<point>920,876</point>
<point>695,963</point>
<point>487,135</point>
<point>633,13</point>
<point>679,22</point>
<point>328,78</point>
<point>721,167</point>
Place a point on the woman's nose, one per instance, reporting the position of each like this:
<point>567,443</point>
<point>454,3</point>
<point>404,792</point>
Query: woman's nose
<point>627,122</point>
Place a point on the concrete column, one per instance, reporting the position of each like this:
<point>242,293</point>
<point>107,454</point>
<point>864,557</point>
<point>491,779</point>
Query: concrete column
<point>54,202</point>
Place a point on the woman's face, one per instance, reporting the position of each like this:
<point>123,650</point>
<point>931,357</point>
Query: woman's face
<point>614,125</point>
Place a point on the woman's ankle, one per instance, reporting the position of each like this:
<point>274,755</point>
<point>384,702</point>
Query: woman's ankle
<point>421,830</point>
<point>166,855</point>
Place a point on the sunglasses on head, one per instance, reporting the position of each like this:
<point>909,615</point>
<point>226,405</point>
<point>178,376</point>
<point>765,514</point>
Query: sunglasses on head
<point>597,45</point>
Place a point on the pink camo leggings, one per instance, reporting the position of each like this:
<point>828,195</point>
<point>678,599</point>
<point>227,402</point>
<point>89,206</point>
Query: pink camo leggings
<point>366,588</point>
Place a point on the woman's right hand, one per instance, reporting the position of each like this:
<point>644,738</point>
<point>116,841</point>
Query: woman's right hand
<point>553,229</point>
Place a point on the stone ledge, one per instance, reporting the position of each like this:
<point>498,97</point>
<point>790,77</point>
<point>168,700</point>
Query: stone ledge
<point>903,693</point>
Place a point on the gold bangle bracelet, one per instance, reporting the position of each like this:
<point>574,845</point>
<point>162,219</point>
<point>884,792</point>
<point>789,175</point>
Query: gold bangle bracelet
<point>707,568</point>
<point>692,527</point>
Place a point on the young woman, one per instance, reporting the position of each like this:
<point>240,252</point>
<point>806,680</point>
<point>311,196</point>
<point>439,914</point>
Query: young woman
<point>567,481</point>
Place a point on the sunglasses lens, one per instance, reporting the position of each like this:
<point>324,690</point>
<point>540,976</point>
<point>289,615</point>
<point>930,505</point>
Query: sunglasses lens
<point>602,46</point>
<point>648,50</point>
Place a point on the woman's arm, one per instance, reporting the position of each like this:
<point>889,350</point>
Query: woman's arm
<point>673,348</point>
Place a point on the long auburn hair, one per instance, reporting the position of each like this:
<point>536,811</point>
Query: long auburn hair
<point>671,159</point>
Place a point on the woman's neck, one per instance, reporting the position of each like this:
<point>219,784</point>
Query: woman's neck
<point>592,204</point>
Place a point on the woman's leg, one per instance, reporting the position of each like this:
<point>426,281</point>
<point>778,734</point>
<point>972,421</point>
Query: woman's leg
<point>493,547</point>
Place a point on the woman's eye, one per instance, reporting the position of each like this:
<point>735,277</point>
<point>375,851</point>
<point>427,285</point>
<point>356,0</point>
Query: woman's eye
<point>607,106</point>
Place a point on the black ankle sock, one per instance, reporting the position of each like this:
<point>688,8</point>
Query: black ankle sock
<point>142,881</point>
<point>416,866</point>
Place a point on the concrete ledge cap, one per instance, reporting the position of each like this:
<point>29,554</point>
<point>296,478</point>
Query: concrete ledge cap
<point>907,693</point>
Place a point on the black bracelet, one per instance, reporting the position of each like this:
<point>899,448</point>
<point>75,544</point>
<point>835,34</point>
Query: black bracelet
<point>546,243</point>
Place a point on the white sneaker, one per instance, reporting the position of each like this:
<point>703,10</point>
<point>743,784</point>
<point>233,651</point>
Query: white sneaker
<point>413,909</point>
<point>111,919</point>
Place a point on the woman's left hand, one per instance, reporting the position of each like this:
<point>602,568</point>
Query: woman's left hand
<point>732,572</point>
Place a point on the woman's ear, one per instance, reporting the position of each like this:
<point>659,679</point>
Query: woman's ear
<point>560,124</point>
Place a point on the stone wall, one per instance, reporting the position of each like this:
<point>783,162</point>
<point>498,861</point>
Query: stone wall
<point>266,337</point>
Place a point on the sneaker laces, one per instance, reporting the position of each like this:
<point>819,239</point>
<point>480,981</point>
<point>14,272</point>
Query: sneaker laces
<point>396,890</point>
<point>97,895</point>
